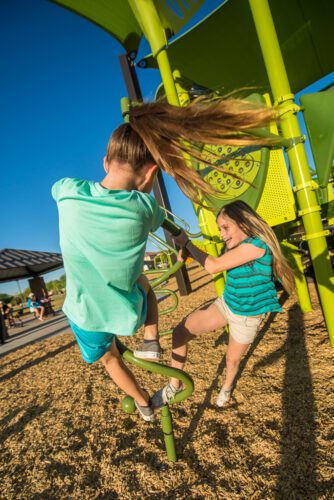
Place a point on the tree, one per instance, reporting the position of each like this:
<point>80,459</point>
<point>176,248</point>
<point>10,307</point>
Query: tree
<point>4,297</point>
<point>56,285</point>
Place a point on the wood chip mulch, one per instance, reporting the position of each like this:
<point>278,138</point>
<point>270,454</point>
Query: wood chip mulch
<point>63,433</point>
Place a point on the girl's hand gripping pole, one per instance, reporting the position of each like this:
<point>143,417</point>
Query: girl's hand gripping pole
<point>179,236</point>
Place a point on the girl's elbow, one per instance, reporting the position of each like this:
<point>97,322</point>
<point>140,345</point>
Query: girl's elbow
<point>208,268</point>
<point>211,266</point>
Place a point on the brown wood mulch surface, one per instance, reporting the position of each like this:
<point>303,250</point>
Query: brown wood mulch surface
<point>63,433</point>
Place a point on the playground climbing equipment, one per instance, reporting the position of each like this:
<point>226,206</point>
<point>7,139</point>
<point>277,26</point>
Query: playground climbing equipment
<point>166,417</point>
<point>274,63</point>
<point>188,385</point>
<point>270,55</point>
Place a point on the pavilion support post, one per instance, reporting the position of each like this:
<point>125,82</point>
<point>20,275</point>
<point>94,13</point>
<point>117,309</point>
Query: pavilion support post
<point>3,330</point>
<point>38,287</point>
<point>306,197</point>
<point>159,188</point>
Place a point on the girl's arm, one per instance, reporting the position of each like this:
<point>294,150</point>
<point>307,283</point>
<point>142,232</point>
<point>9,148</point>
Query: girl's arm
<point>233,258</point>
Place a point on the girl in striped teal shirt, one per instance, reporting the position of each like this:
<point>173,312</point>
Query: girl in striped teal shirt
<point>252,259</point>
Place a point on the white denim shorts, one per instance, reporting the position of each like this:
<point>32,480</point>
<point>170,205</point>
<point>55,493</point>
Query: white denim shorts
<point>242,328</point>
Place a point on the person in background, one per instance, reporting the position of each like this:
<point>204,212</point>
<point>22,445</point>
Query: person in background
<point>8,314</point>
<point>35,307</point>
<point>47,304</point>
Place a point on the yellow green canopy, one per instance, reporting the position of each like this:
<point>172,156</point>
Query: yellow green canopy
<point>222,52</point>
<point>117,16</point>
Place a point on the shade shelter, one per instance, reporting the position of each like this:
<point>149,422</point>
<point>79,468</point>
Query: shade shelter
<point>24,264</point>
<point>122,18</point>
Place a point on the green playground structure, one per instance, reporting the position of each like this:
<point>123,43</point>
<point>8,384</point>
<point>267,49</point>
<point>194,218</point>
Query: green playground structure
<point>188,385</point>
<point>275,49</point>
<point>162,260</point>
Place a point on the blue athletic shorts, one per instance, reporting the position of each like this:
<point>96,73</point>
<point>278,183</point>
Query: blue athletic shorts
<point>93,345</point>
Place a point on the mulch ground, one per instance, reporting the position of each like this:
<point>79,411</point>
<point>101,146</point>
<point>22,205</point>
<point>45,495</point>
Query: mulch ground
<point>63,433</point>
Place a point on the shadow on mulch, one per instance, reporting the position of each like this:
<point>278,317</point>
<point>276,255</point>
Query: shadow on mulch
<point>36,326</point>
<point>63,433</point>
<point>29,364</point>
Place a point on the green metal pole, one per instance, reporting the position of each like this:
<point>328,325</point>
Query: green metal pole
<point>167,429</point>
<point>148,18</point>
<point>208,225</point>
<point>206,219</point>
<point>307,200</point>
<point>166,371</point>
<point>294,256</point>
<point>125,106</point>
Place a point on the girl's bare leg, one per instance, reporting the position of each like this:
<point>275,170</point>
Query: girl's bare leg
<point>122,376</point>
<point>235,352</point>
<point>151,323</point>
<point>196,324</point>
<point>36,313</point>
<point>42,312</point>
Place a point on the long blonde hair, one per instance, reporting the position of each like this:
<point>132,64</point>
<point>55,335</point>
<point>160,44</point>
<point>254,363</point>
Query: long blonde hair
<point>173,137</point>
<point>253,225</point>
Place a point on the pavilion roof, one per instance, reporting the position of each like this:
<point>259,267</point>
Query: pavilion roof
<point>22,264</point>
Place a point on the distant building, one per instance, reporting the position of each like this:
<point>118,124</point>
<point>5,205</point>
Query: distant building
<point>149,260</point>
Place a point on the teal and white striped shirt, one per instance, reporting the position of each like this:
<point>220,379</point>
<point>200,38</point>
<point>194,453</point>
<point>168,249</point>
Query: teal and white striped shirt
<point>250,288</point>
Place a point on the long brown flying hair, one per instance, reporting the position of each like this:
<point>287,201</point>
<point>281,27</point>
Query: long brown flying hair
<point>173,136</point>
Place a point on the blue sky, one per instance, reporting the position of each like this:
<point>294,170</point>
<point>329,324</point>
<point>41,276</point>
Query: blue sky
<point>60,89</point>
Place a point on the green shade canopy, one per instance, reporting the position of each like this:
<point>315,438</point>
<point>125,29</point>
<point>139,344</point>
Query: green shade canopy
<point>223,53</point>
<point>119,20</point>
<point>319,119</point>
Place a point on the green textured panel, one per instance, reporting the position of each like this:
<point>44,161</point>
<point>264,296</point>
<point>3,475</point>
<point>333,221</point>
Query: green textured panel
<point>245,172</point>
<point>319,119</point>
<point>223,52</point>
<point>244,177</point>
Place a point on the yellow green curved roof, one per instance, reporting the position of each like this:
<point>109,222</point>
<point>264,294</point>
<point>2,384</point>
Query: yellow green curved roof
<point>117,16</point>
<point>223,52</point>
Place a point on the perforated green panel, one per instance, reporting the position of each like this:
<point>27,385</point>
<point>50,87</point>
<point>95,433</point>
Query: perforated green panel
<point>259,178</point>
<point>245,167</point>
<point>243,176</point>
<point>277,204</point>
<point>244,171</point>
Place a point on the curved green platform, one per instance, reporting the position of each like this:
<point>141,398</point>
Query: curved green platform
<point>166,417</point>
<point>167,371</point>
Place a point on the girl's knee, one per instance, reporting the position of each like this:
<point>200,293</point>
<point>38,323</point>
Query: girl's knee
<point>111,356</point>
<point>191,322</point>
<point>232,360</point>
